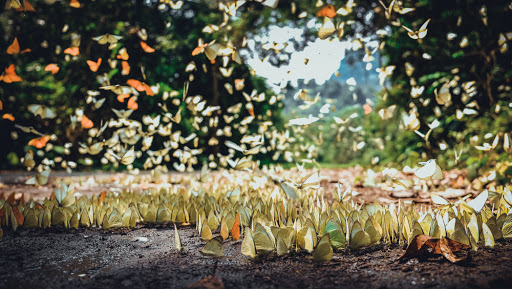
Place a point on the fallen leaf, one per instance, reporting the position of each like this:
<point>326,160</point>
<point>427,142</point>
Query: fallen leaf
<point>423,246</point>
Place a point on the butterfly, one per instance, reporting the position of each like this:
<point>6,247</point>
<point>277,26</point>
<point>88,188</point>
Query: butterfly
<point>443,96</point>
<point>86,122</point>
<point>421,33</point>
<point>127,158</point>
<point>411,122</point>
<point>140,86</point>
<point>65,195</point>
<point>107,38</point>
<point>39,142</point>
<point>125,68</point>
<point>20,5</point>
<point>123,114</point>
<point>326,11</point>
<point>329,28</point>
<point>74,4</point>
<point>235,231</point>
<point>213,247</point>
<point>240,164</point>
<point>9,76</point>
<point>40,179</point>
<point>177,239</point>
<point>28,129</point>
<point>430,170</point>
<point>359,238</point>
<point>269,3</point>
<point>41,110</point>
<point>132,103</point>
<point>123,54</point>
<point>236,147</point>
<point>264,241</point>
<point>28,160</point>
<point>146,47</point>
<point>14,48</point>
<point>323,250</point>
<point>94,66</point>
<point>73,51</point>
<point>248,247</point>
<point>53,68</point>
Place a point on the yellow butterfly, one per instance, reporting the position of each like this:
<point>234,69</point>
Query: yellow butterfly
<point>40,179</point>
<point>107,38</point>
<point>421,33</point>
<point>329,28</point>
<point>323,251</point>
<point>177,239</point>
<point>41,110</point>
<point>213,248</point>
<point>127,158</point>
<point>430,170</point>
<point>263,241</point>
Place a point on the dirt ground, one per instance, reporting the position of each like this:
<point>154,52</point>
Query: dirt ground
<point>145,257</point>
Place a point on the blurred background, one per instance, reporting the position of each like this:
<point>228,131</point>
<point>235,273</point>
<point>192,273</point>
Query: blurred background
<point>367,92</point>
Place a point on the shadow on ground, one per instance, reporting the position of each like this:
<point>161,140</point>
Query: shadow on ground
<point>93,258</point>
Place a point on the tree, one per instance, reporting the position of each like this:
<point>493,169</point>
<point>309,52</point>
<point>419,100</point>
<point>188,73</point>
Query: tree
<point>458,73</point>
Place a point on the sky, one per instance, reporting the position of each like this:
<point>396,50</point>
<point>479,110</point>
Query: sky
<point>324,58</point>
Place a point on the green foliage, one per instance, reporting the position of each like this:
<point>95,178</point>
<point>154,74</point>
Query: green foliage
<point>173,33</point>
<point>462,48</point>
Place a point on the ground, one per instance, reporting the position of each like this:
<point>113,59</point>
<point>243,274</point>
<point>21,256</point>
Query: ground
<point>145,257</point>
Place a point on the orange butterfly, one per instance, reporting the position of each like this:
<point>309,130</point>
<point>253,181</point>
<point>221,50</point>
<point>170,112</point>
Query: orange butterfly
<point>39,142</point>
<point>102,196</point>
<point>132,104</point>
<point>19,217</point>
<point>86,122</point>
<point>11,199</point>
<point>9,75</point>
<point>326,11</point>
<point>94,66</point>
<point>235,231</point>
<point>126,68</point>
<point>1,105</point>
<point>14,48</point>
<point>74,51</point>
<point>75,4</point>
<point>26,7</point>
<point>199,49</point>
<point>123,54</point>
<point>146,47</point>
<point>239,84</point>
<point>140,86</point>
<point>367,108</point>
<point>8,116</point>
<point>52,67</point>
<point>122,97</point>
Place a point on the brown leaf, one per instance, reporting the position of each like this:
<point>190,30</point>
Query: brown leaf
<point>414,248</point>
<point>210,282</point>
<point>448,253</point>
<point>426,246</point>
<point>456,246</point>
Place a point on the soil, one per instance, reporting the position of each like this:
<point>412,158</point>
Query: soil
<point>145,257</point>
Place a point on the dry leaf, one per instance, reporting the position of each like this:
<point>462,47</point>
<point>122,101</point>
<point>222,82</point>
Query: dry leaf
<point>423,246</point>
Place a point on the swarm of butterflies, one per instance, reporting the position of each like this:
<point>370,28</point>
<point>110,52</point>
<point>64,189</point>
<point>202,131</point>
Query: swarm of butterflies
<point>270,214</point>
<point>182,149</point>
<point>273,215</point>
